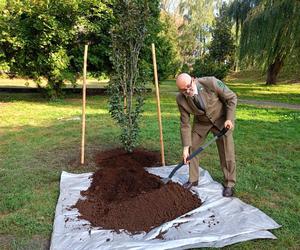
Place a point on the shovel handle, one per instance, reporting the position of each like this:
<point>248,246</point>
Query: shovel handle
<point>198,150</point>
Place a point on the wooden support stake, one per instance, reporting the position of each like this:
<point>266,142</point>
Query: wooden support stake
<point>83,103</point>
<point>158,107</point>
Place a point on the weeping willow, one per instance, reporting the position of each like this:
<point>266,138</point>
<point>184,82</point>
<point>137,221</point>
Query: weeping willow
<point>270,34</point>
<point>238,11</point>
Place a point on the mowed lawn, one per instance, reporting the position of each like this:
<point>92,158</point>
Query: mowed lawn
<point>39,139</point>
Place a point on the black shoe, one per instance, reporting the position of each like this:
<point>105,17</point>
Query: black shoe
<point>188,185</point>
<point>228,191</point>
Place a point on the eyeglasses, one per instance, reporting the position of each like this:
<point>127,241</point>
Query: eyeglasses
<point>188,88</point>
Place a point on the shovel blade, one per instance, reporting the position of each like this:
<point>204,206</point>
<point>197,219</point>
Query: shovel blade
<point>166,180</point>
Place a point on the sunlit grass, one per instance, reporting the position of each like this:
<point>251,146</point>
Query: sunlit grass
<point>39,139</point>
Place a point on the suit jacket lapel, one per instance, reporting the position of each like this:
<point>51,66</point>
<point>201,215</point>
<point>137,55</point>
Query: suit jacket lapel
<point>193,106</point>
<point>191,103</point>
<point>202,98</point>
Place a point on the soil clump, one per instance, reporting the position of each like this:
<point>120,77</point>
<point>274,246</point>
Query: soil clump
<point>123,195</point>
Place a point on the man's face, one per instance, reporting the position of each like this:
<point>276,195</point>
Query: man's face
<point>187,88</point>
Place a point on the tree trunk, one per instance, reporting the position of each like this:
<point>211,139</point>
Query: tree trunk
<point>236,64</point>
<point>273,71</point>
<point>54,88</point>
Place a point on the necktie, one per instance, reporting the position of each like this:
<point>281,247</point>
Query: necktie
<point>198,101</point>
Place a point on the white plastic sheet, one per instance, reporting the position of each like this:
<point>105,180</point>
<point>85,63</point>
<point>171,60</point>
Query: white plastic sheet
<point>218,222</point>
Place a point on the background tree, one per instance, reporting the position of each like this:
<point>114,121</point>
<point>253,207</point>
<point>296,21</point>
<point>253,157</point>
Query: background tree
<point>41,39</point>
<point>133,21</point>
<point>238,11</point>
<point>194,31</point>
<point>167,48</point>
<point>221,48</point>
<point>270,34</point>
<point>93,25</point>
<point>219,58</point>
<point>30,43</point>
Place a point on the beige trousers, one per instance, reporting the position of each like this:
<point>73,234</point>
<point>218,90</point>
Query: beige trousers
<point>225,147</point>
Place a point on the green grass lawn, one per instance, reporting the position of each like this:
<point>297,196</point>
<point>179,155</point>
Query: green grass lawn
<point>39,139</point>
<point>286,93</point>
<point>251,85</point>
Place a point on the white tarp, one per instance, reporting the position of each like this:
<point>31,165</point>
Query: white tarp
<point>218,222</point>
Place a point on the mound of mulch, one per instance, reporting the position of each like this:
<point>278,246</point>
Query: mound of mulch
<point>123,195</point>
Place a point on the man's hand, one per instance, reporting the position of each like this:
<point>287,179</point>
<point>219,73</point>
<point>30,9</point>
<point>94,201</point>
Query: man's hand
<point>185,154</point>
<point>228,124</point>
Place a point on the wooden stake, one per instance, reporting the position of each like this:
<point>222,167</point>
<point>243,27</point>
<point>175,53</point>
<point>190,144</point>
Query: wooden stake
<point>158,107</point>
<point>83,103</point>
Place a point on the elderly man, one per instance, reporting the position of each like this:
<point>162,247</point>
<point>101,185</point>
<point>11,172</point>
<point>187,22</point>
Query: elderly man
<point>213,105</point>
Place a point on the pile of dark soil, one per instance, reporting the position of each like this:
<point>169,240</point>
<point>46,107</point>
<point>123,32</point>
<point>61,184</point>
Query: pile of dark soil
<point>123,195</point>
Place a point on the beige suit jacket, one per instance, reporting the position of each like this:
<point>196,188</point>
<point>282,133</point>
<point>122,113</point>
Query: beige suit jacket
<point>219,105</point>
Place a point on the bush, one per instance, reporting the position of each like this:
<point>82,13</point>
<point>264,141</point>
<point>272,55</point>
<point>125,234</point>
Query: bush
<point>205,67</point>
<point>44,39</point>
<point>185,68</point>
<point>127,81</point>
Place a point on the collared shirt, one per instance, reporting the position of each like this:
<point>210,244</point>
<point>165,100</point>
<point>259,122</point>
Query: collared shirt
<point>195,89</point>
<point>197,99</point>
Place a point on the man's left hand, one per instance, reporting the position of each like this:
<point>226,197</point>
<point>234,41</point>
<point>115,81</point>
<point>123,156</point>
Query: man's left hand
<point>228,124</point>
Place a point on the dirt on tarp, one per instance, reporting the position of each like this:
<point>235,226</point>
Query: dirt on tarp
<point>123,195</point>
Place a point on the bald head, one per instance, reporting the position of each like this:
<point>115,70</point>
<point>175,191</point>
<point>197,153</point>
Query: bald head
<point>183,80</point>
<point>185,84</point>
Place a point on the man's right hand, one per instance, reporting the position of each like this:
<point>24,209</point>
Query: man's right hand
<point>185,154</point>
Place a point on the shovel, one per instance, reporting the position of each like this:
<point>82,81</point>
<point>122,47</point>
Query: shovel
<point>192,155</point>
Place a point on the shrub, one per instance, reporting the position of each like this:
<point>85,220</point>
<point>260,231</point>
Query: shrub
<point>205,67</point>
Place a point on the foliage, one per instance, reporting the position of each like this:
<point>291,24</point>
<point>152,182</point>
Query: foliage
<point>94,21</point>
<point>194,31</point>
<point>218,60</point>
<point>271,34</point>
<point>156,35</point>
<point>238,10</point>
<point>221,48</point>
<point>127,84</point>
<point>185,68</point>
<point>167,49</point>
<point>291,66</point>
<point>39,39</point>
<point>207,67</point>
